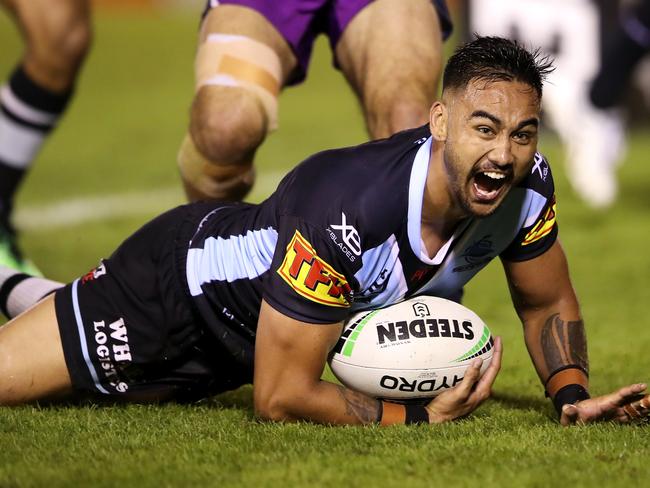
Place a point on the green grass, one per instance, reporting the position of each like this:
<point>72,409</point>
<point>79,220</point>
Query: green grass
<point>121,135</point>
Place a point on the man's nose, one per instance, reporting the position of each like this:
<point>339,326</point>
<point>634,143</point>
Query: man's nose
<point>501,153</point>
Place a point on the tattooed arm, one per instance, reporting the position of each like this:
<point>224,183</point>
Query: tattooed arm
<point>289,360</point>
<point>555,336</point>
<point>548,308</point>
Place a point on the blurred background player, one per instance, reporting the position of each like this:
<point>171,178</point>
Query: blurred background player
<point>571,32</point>
<point>390,52</point>
<point>627,45</point>
<point>57,35</point>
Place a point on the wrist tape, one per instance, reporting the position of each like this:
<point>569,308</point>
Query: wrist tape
<point>394,413</point>
<point>569,394</point>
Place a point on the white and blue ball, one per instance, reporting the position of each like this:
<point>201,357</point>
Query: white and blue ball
<point>414,349</point>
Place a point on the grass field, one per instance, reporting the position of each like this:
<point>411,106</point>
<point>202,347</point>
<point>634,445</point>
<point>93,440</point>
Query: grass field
<point>115,151</point>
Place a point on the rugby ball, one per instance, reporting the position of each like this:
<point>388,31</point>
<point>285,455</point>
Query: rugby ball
<point>414,349</point>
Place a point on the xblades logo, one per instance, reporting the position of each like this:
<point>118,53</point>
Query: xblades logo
<point>350,235</point>
<point>540,166</point>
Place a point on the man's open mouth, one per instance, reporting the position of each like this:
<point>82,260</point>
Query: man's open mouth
<point>488,185</point>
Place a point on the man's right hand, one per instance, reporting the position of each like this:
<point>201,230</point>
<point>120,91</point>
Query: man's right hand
<point>473,390</point>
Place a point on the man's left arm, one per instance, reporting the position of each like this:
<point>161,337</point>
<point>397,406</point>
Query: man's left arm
<point>554,332</point>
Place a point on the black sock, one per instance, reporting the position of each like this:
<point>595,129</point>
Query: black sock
<point>28,112</point>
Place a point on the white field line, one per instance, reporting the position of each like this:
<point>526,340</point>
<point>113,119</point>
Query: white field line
<point>78,211</point>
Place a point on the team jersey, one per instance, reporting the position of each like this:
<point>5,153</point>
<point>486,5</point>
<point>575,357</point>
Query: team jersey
<point>342,233</point>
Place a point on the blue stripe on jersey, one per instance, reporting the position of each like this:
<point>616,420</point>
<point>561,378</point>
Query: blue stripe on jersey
<point>235,258</point>
<point>82,337</point>
<point>416,195</point>
<point>534,204</point>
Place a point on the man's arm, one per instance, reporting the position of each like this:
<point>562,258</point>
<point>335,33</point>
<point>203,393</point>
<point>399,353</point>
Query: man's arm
<point>546,303</point>
<point>289,360</point>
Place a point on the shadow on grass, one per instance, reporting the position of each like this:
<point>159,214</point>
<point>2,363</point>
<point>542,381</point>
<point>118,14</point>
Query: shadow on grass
<point>521,402</point>
<point>240,399</point>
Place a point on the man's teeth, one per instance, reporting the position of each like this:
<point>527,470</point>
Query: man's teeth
<point>494,176</point>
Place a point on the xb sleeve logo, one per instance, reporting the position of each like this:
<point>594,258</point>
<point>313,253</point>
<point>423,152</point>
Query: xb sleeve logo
<point>312,277</point>
<point>350,235</point>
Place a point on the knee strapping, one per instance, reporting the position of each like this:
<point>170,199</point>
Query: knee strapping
<point>235,60</point>
<point>205,180</point>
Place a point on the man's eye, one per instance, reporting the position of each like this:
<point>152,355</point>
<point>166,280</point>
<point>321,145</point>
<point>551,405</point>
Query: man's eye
<point>523,137</point>
<point>484,130</point>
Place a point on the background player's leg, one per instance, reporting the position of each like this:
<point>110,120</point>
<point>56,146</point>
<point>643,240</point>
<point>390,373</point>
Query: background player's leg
<point>391,53</point>
<point>233,107</point>
<point>628,44</point>
<point>57,36</point>
<point>20,291</point>
<point>32,365</point>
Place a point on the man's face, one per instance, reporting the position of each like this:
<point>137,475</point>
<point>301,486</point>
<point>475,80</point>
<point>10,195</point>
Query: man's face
<point>491,139</point>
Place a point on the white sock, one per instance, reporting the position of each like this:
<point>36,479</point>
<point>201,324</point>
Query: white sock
<point>19,291</point>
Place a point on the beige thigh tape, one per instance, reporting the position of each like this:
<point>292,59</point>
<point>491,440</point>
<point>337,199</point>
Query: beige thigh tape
<point>234,60</point>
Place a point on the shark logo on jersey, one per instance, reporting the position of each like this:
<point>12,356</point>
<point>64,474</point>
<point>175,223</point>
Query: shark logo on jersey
<point>377,287</point>
<point>311,277</point>
<point>543,226</point>
<point>351,245</point>
<point>476,254</point>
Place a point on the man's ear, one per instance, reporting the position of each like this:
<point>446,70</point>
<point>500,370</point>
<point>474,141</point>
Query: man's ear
<point>438,121</point>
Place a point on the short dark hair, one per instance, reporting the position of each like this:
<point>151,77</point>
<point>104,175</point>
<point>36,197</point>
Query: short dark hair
<point>496,59</point>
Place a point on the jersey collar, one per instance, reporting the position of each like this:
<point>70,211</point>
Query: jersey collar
<point>417,185</point>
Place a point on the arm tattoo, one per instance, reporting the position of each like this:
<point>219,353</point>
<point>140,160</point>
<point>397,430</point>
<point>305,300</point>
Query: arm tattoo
<point>361,406</point>
<point>564,343</point>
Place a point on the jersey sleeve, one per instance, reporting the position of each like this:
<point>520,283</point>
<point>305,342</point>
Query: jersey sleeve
<point>539,229</point>
<point>308,281</point>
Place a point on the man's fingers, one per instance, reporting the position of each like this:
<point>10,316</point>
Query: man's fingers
<point>492,370</point>
<point>638,409</point>
<point>469,380</point>
<point>628,394</point>
<point>569,415</point>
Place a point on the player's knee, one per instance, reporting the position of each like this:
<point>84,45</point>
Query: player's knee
<point>388,117</point>
<point>60,43</point>
<point>227,124</point>
<point>205,180</point>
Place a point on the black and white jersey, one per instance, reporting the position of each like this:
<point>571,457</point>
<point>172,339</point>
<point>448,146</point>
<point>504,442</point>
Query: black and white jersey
<point>342,233</point>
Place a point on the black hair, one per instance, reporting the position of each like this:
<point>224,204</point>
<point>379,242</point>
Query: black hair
<point>496,59</point>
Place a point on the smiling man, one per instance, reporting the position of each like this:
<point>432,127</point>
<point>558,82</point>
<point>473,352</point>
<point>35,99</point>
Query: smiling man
<point>210,296</point>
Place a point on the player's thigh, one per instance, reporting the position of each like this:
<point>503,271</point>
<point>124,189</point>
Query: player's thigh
<point>32,364</point>
<point>242,62</point>
<point>393,48</point>
<point>243,21</point>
